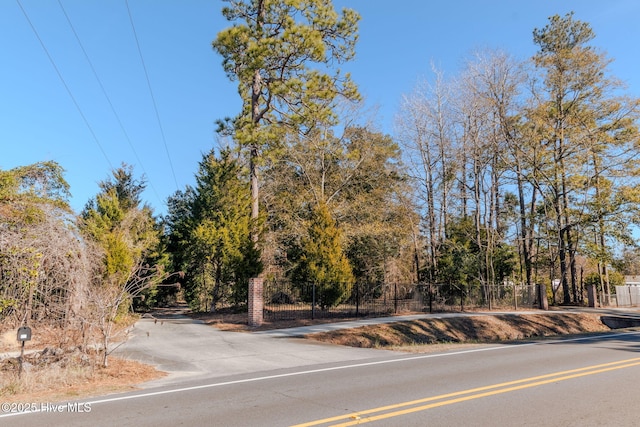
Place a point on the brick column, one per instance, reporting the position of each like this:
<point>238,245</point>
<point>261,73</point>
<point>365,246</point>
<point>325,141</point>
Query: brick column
<point>256,304</point>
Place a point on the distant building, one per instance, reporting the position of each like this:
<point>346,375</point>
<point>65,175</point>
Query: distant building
<point>628,295</point>
<point>632,280</point>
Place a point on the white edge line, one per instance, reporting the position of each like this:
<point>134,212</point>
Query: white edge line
<point>334,368</point>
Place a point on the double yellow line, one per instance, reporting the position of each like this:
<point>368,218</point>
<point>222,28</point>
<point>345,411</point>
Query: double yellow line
<point>426,403</point>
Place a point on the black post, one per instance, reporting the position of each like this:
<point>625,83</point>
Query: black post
<point>357,299</point>
<point>20,360</point>
<point>395,298</point>
<point>313,303</point>
<point>430,299</point>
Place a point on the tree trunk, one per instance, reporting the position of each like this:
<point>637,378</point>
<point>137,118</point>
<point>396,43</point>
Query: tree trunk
<point>256,116</point>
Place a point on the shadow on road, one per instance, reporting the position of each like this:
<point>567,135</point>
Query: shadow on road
<point>175,314</point>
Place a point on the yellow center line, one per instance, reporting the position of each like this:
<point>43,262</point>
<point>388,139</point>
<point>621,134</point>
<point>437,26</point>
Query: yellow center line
<point>357,417</point>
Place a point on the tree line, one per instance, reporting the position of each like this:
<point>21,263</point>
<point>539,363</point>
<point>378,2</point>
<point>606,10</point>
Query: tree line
<point>509,172</point>
<point>526,168</point>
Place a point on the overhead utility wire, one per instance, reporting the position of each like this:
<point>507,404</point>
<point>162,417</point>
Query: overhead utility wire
<point>64,83</point>
<point>153,100</point>
<point>104,92</point>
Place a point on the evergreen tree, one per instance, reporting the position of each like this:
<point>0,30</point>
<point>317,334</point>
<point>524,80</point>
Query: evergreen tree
<point>358,175</point>
<point>209,234</point>
<point>587,134</point>
<point>272,50</point>
<point>323,261</point>
<point>125,229</point>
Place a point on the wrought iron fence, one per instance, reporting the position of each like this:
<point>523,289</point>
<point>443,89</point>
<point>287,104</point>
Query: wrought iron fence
<point>286,301</point>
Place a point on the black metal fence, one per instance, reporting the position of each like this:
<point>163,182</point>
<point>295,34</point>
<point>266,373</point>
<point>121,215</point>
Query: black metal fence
<point>287,301</point>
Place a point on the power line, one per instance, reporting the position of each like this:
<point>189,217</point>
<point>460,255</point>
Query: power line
<point>64,83</point>
<point>153,100</point>
<point>104,92</point>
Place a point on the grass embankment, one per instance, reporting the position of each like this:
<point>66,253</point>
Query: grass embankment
<point>477,329</point>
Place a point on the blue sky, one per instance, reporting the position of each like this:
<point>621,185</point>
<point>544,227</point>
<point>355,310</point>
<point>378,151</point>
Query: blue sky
<point>398,41</point>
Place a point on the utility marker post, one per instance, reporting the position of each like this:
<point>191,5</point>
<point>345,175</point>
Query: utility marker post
<point>24,335</point>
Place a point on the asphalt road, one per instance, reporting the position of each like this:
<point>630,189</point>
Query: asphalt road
<point>588,381</point>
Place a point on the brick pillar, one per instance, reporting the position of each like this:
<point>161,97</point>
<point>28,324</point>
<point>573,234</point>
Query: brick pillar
<point>256,304</point>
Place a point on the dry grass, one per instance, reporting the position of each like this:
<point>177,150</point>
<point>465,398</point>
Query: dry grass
<point>56,382</point>
<point>415,335</point>
<point>55,369</point>
<point>237,322</point>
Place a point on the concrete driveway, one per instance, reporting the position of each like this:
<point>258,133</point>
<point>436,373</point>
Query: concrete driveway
<point>187,348</point>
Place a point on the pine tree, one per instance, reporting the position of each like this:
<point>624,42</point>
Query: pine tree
<point>586,133</point>
<point>272,50</point>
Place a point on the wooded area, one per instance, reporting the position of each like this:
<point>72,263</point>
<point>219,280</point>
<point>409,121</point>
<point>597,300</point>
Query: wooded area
<point>508,173</point>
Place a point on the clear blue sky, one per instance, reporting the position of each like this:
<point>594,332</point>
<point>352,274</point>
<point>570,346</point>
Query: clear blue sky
<point>398,40</point>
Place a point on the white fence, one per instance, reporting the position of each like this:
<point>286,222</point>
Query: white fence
<point>628,296</point>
